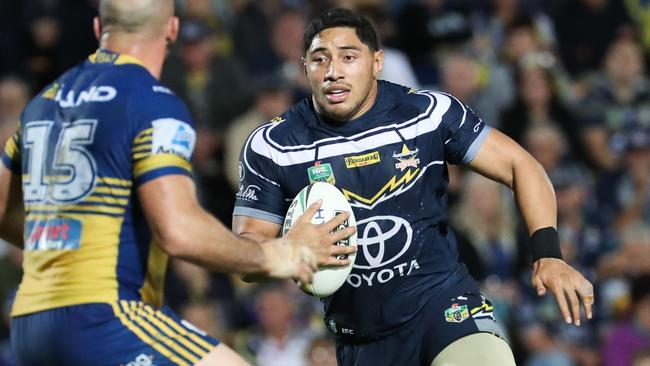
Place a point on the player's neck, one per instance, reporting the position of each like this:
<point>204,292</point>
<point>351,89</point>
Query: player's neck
<point>150,53</point>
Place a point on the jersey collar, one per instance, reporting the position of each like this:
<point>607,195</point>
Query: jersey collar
<point>103,56</point>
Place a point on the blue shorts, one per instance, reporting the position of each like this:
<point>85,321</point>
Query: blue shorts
<point>127,333</point>
<point>452,314</point>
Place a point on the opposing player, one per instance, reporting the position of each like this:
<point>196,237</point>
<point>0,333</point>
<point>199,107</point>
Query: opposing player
<point>103,157</point>
<point>408,301</point>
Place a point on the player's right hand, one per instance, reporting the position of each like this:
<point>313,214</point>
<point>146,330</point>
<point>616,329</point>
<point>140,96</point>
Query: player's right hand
<point>307,246</point>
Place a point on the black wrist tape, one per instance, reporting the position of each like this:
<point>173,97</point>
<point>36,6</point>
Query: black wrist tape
<point>545,243</point>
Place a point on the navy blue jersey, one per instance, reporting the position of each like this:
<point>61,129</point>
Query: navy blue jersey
<point>390,164</point>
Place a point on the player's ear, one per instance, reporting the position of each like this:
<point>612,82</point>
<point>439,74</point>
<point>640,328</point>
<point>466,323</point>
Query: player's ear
<point>377,63</point>
<point>97,28</point>
<point>173,25</point>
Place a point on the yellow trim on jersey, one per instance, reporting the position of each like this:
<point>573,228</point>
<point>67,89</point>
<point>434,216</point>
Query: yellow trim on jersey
<point>12,149</point>
<point>84,275</point>
<point>108,200</point>
<point>134,313</point>
<point>153,287</point>
<point>143,140</point>
<point>52,91</point>
<point>89,209</point>
<point>390,186</point>
<point>143,136</point>
<point>144,337</point>
<point>171,322</point>
<point>485,307</point>
<point>114,191</point>
<point>148,313</point>
<point>115,181</point>
<point>103,57</point>
<point>159,161</point>
<point>140,148</point>
<point>141,155</point>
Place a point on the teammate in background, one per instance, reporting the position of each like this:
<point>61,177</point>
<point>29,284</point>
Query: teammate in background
<point>103,157</point>
<point>407,301</point>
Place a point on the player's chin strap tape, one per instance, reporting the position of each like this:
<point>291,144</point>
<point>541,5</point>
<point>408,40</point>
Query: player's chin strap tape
<point>545,243</point>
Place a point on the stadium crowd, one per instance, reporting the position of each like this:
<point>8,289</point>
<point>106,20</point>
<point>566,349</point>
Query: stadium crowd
<point>567,79</point>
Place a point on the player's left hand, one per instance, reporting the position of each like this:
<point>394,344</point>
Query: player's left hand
<point>566,284</point>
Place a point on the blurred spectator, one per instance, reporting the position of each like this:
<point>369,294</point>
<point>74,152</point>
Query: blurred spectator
<point>485,88</point>
<point>546,144</point>
<point>14,95</point>
<point>527,44</point>
<point>250,29</point>
<point>206,11</point>
<point>204,316</point>
<point>543,349</point>
<point>633,335</point>
<point>188,284</point>
<point>214,87</point>
<point>397,67</point>
<point>618,101</point>
<point>491,23</point>
<point>486,217</point>
<point>582,239</point>
<point>633,188</point>
<point>286,51</point>
<point>427,26</point>
<point>538,103</point>
<point>586,28</point>
<point>10,275</point>
<point>43,65</point>
<point>632,257</point>
<point>273,98</point>
<point>77,39</point>
<point>277,341</point>
<point>322,352</point>
<point>642,358</point>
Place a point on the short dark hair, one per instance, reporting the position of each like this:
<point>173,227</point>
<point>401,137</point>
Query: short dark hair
<point>338,17</point>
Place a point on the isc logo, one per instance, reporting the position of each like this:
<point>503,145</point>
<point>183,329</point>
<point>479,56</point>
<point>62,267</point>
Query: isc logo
<point>142,360</point>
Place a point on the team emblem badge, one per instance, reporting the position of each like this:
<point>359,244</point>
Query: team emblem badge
<point>407,158</point>
<point>321,173</point>
<point>456,313</point>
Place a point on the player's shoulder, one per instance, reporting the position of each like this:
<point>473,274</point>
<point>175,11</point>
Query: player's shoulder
<point>407,102</point>
<point>289,128</point>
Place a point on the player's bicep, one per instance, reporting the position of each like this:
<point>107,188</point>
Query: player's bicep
<point>497,157</point>
<point>12,213</point>
<point>255,229</point>
<point>164,200</point>
<point>11,154</point>
<point>260,195</point>
<point>463,133</point>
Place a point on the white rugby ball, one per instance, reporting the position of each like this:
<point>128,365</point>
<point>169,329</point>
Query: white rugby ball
<point>326,280</point>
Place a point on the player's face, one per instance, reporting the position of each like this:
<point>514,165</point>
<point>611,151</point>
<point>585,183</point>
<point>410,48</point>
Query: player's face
<point>342,73</point>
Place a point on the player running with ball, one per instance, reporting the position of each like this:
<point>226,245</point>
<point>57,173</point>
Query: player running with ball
<point>407,301</point>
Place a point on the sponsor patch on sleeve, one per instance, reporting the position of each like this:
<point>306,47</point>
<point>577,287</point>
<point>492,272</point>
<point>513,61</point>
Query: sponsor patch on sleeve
<point>171,136</point>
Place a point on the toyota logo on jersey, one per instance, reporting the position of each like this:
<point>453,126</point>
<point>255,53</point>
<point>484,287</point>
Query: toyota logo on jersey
<point>383,241</point>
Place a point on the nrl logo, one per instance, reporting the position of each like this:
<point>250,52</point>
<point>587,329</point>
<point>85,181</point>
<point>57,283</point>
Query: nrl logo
<point>407,158</point>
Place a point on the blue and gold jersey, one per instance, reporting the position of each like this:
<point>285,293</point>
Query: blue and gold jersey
<point>391,166</point>
<point>83,147</point>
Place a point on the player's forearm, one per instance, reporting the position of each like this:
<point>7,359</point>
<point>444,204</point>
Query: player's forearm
<point>205,241</point>
<point>12,215</point>
<point>12,227</point>
<point>534,194</point>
